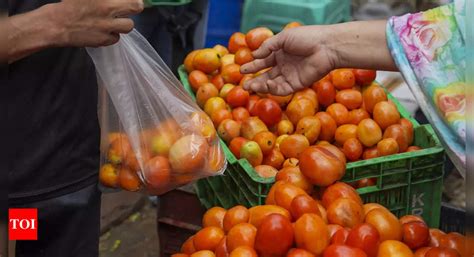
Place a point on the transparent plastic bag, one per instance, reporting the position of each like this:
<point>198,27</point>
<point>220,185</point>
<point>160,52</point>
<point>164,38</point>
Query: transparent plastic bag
<point>154,137</point>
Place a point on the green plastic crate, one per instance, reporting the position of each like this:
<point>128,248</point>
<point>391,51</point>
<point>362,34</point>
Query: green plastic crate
<point>407,183</point>
<point>149,3</point>
<point>275,14</point>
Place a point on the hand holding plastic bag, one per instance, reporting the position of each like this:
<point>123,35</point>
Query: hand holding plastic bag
<point>154,137</point>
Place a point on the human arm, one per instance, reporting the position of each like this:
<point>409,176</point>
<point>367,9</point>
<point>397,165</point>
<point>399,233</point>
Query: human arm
<point>303,55</point>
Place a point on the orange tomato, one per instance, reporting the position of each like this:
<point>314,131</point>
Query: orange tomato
<point>259,212</point>
<point>188,246</point>
<point>369,132</point>
<point>197,78</point>
<point>203,253</point>
<point>240,114</point>
<point>266,141</point>
<point>321,166</point>
<point>213,104</point>
<point>222,50</point>
<point>188,61</point>
<point>387,146</point>
<point>371,206</point>
<point>231,73</point>
<point>291,25</point>
<point>235,215</point>
<point>357,115</point>
<point>243,251</point>
<point>370,153</point>
<point>339,113</point>
<point>274,236</point>
<point>343,79</point>
<point>242,234</point>
<point>291,162</point>
<point>364,77</point>
<point>214,217</point>
<point>345,212</point>
<point>456,242</point>
<point>157,172</point>
<point>436,236</point>
<point>252,152</point>
<point>179,255</point>
<point>221,249</point>
<point>308,94</point>
<point>245,78</point>
<point>393,248</point>
<point>236,41</point>
<point>397,132</point>
<point>385,114</point>
<point>220,115</point>
<point>207,60</point>
<point>218,81</point>
<point>265,171</point>
<point>281,100</point>
<point>422,251</point>
<point>294,176</point>
<point>408,127</point>
<point>285,127</point>
<point>225,90</point>
<point>251,127</point>
<point>188,154</point>
<point>311,233</point>
<point>345,132</point>
<point>325,91</point>
<point>328,126</point>
<point>243,56</point>
<point>227,59</point>
<point>236,144</point>
<point>275,159</point>
<point>303,204</point>
<point>298,109</point>
<point>310,127</point>
<point>108,175</point>
<point>128,179</point>
<point>204,92</point>
<point>339,190</point>
<point>372,95</point>
<point>323,211</point>
<point>285,193</point>
<point>353,149</point>
<point>365,182</point>
<point>255,37</point>
<point>293,146</point>
<point>386,224</point>
<point>208,238</point>
<point>350,98</point>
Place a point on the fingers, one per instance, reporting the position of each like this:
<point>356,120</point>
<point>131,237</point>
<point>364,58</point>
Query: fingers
<point>122,25</point>
<point>123,8</point>
<point>270,45</point>
<point>258,84</point>
<point>111,39</point>
<point>258,64</point>
<point>279,86</point>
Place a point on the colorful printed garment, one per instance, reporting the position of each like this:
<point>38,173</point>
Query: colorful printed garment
<point>429,50</point>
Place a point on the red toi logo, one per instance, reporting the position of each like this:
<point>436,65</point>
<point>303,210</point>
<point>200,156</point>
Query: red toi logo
<point>23,224</point>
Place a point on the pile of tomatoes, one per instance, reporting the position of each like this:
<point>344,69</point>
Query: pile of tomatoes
<point>170,155</point>
<point>345,116</point>
<point>335,224</point>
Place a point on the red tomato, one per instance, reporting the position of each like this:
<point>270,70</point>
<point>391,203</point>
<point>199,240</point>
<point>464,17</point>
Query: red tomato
<point>435,237</point>
<point>326,92</point>
<point>339,190</point>
<point>340,237</point>
<point>364,77</point>
<point>416,234</point>
<point>296,252</point>
<point>237,97</point>
<point>236,144</point>
<point>274,236</point>
<point>422,251</point>
<point>365,237</point>
<point>268,111</point>
<point>251,104</point>
<point>442,252</point>
<point>455,241</point>
<point>343,251</point>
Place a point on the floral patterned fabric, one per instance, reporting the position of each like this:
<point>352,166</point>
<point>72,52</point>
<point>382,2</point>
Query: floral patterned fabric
<point>429,50</point>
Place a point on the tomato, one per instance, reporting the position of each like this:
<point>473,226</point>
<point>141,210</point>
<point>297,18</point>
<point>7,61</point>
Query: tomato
<point>252,153</point>
<point>322,210</point>
<point>296,252</point>
<point>422,251</point>
<point>455,241</point>
<point>243,56</point>
<point>245,78</point>
<point>266,141</point>
<point>326,92</point>
<point>285,193</point>
<point>387,146</point>
<point>208,238</point>
<point>243,251</point>
<point>339,113</point>
<point>372,95</point>
<point>365,182</point>
<point>385,114</point>
<point>179,255</point>
<point>413,148</point>
<point>266,171</point>
<point>218,81</point>
<point>298,109</point>
<point>397,132</point>
<point>333,228</point>
<point>353,149</point>
<point>213,104</point>
<point>280,140</point>
<point>235,215</point>
<point>386,224</point>
<point>205,91</point>
<point>392,248</point>
<point>322,165</point>
<point>409,218</point>
<point>308,94</point>
<point>227,59</point>
<point>442,252</point>
<point>311,233</point>
<point>369,132</point>
<point>293,24</point>
<point>408,128</point>
<point>188,246</point>
<point>221,249</point>
<point>236,144</point>
<point>371,206</point>
<point>237,97</point>
<point>328,126</point>
<point>364,77</point>
<point>275,159</point>
<point>274,236</point>
<point>345,132</point>
<point>435,237</point>
<point>357,115</point>
<point>268,111</point>
<point>207,60</point>
<point>294,176</point>
<point>220,115</point>
<point>188,61</point>
<point>365,237</point>
<point>251,127</point>
<point>343,79</point>
<point>128,179</point>
<point>255,37</point>
<point>294,145</point>
<point>214,217</point>
<point>339,190</point>
<point>188,154</point>
<point>340,236</point>
<point>240,114</point>
<point>337,250</point>
<point>310,127</point>
<point>236,41</point>
<point>259,212</point>
<point>416,234</point>
<point>108,175</point>
<point>285,127</point>
<point>350,98</point>
<point>222,50</point>
<point>251,104</point>
<point>242,234</point>
<point>345,212</point>
<point>370,153</point>
<point>291,162</point>
<point>203,253</point>
<point>303,204</point>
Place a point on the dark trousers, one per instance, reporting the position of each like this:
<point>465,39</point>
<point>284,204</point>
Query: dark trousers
<point>68,226</point>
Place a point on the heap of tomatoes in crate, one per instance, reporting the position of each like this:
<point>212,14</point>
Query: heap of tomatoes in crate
<point>345,116</point>
<point>331,223</point>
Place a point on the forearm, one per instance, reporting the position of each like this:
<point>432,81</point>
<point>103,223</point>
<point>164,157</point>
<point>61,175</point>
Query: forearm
<point>360,44</point>
<point>30,32</point>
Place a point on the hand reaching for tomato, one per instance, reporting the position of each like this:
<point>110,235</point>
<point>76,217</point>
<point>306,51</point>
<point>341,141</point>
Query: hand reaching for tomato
<point>300,56</point>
